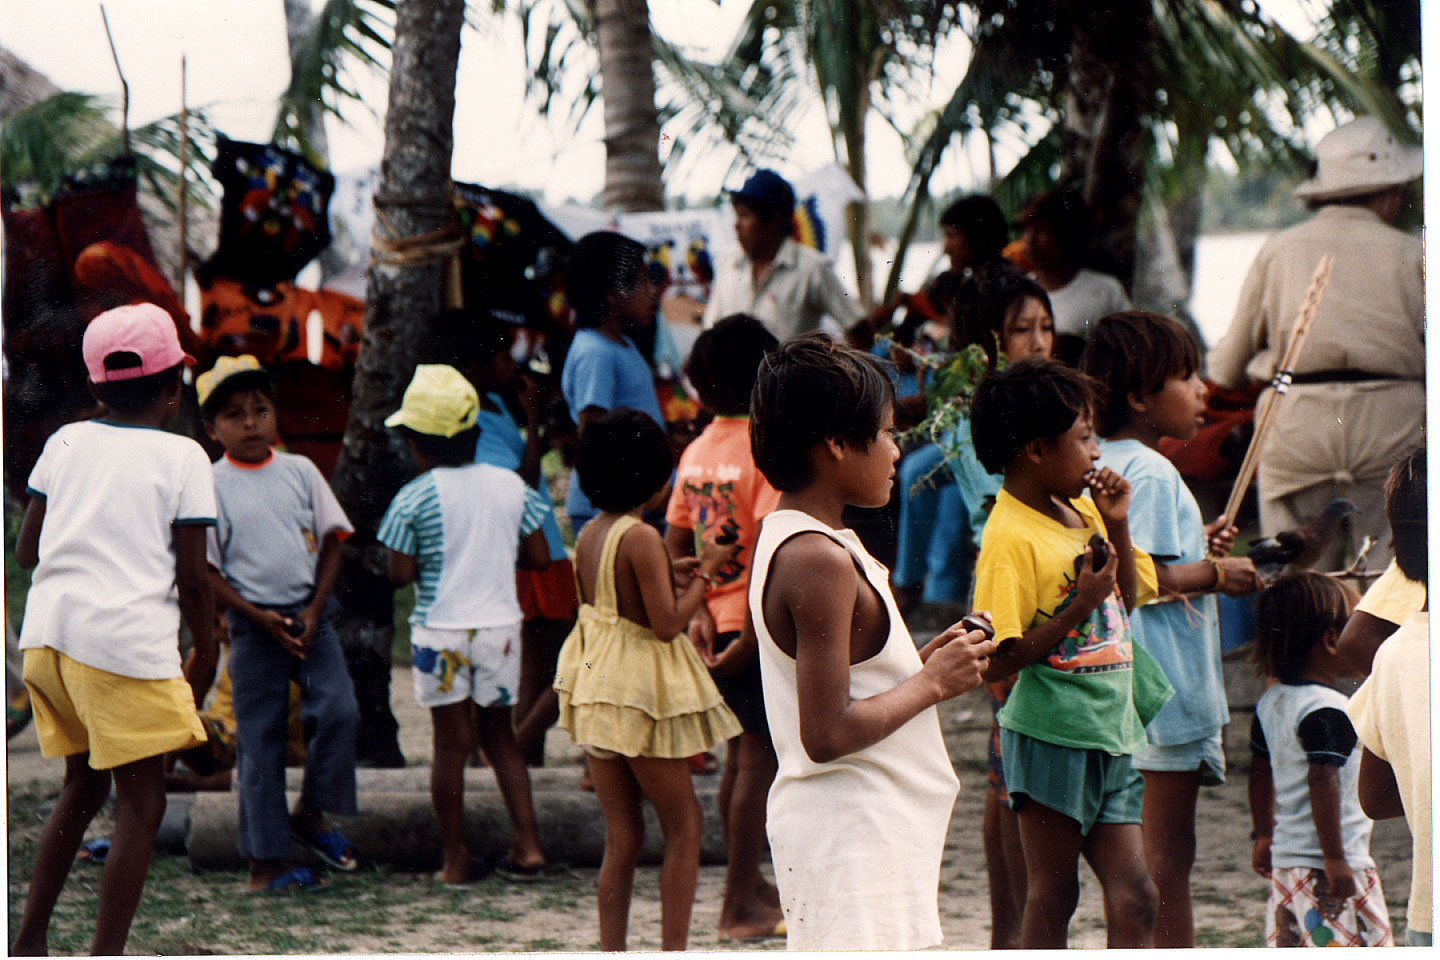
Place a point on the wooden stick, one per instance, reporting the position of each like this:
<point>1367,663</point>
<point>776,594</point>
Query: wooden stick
<point>180,201</point>
<point>124,87</point>
<point>1280,385</point>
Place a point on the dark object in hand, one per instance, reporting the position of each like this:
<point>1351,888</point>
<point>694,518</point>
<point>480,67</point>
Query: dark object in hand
<point>1301,548</point>
<point>974,622</point>
<point>1099,553</point>
<point>729,533</point>
<point>294,626</point>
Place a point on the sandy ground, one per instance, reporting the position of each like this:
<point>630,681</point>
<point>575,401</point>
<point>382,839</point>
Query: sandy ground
<point>1228,897</point>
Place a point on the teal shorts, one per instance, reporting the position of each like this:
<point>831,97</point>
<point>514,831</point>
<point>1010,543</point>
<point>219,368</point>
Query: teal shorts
<point>1088,786</point>
<point>1207,756</point>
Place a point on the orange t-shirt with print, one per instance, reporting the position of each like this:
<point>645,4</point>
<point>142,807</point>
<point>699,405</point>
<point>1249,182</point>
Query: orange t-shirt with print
<point>717,481</point>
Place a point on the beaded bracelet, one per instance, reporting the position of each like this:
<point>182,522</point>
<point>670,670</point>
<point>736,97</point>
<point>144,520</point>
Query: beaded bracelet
<point>1219,573</point>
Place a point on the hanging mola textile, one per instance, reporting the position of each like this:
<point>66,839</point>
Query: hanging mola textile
<point>68,257</point>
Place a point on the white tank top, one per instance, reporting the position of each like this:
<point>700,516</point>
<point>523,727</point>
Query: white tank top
<point>856,842</point>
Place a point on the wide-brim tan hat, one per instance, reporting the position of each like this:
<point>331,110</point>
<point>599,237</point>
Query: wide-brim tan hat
<point>1360,157</point>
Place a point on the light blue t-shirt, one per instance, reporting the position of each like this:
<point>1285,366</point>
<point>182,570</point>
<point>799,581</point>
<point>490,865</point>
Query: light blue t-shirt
<point>501,445</point>
<point>976,485</point>
<point>1182,635</point>
<point>602,373</point>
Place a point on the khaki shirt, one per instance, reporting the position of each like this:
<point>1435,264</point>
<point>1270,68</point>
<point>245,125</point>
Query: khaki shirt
<point>799,288</point>
<point>1371,318</point>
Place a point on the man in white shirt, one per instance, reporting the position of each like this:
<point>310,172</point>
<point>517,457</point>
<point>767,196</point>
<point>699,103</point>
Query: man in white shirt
<point>786,286</point>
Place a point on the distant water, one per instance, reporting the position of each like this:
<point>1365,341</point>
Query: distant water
<point>1221,262</point>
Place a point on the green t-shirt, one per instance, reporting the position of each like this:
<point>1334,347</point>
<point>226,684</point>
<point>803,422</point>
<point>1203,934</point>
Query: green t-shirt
<point>1082,694</point>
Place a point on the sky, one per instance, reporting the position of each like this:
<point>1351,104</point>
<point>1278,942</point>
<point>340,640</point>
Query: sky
<point>237,67</point>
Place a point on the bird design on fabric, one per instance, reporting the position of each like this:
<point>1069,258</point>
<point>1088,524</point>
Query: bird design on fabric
<point>1300,548</point>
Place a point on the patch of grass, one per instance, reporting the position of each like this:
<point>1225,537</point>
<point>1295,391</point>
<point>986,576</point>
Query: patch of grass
<point>400,646</point>
<point>558,901</point>
<point>544,945</point>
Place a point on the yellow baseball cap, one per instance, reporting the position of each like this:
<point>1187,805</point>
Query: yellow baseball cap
<point>245,366</point>
<point>439,402</point>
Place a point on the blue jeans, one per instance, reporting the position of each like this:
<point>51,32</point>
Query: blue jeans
<point>260,674</point>
<point>933,549</point>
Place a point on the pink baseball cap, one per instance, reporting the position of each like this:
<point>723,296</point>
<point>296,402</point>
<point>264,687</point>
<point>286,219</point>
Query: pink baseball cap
<point>144,331</point>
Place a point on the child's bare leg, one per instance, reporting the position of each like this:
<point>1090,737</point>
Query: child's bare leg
<point>1168,820</point>
<point>744,912</point>
<point>666,784</point>
<point>725,791</point>
<point>497,739</point>
<point>451,724</point>
<point>620,803</point>
<point>1116,852</point>
<point>536,707</point>
<point>139,808</point>
<point>1005,867</point>
<point>81,798</point>
<point>1051,842</point>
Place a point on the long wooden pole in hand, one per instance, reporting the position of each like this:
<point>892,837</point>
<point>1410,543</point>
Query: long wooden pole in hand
<point>1280,385</point>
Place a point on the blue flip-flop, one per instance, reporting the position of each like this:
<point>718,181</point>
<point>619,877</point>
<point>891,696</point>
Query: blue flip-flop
<point>94,851</point>
<point>295,880</point>
<point>330,846</point>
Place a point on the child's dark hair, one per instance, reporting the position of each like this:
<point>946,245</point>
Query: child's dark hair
<point>1065,213</point>
<point>985,299</point>
<point>724,361</point>
<point>1134,352</point>
<point>603,263</point>
<point>983,223</point>
<point>233,385</point>
<point>813,388</point>
<point>622,459</point>
<point>464,338</point>
<point>1031,399</point>
<point>456,451</point>
<point>1292,615</point>
<point>134,395</point>
<point>1407,509</point>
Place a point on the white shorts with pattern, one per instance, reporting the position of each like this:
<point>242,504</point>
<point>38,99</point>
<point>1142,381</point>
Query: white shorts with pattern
<point>450,666</point>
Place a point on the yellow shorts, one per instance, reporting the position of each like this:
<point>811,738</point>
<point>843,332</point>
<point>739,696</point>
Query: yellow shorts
<point>117,719</point>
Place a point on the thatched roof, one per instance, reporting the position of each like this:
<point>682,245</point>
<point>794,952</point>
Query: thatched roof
<point>21,84</point>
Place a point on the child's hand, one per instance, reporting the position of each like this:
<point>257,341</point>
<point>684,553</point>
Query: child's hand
<point>702,634</point>
<point>1241,578</point>
<point>1260,857</point>
<point>1339,881</point>
<point>1111,493</point>
<point>276,625</point>
<point>684,570</point>
<point>1093,587</point>
<point>1220,535</point>
<point>957,660</point>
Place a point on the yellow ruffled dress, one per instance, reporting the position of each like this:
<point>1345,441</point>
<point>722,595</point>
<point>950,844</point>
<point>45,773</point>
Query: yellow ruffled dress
<point>621,688</point>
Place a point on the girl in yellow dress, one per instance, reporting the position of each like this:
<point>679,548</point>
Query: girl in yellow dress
<point>633,692</point>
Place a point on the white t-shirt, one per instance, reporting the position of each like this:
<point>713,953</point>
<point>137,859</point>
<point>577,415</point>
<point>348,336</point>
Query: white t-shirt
<point>1085,299</point>
<point>463,526</point>
<point>104,591</point>
<point>273,518</point>
<point>1391,713</point>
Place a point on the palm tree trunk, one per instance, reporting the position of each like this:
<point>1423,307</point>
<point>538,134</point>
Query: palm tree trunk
<point>627,84</point>
<point>413,199</point>
<point>1102,142</point>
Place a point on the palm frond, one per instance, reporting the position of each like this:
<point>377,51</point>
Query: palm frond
<point>344,34</point>
<point>39,143</point>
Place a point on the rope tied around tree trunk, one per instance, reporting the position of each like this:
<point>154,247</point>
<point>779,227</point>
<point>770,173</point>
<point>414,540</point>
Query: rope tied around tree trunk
<point>441,245</point>
<point>438,245</point>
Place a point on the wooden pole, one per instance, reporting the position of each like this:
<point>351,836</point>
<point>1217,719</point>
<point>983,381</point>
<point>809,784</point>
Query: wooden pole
<point>124,87</point>
<point>180,200</point>
<point>1280,384</point>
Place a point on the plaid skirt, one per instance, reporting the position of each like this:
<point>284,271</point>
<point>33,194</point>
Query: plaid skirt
<point>1297,916</point>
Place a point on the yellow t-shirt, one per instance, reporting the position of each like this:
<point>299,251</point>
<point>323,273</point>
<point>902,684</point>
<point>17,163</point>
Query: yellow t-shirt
<point>1394,597</point>
<point>1080,695</point>
<point>1391,714</point>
